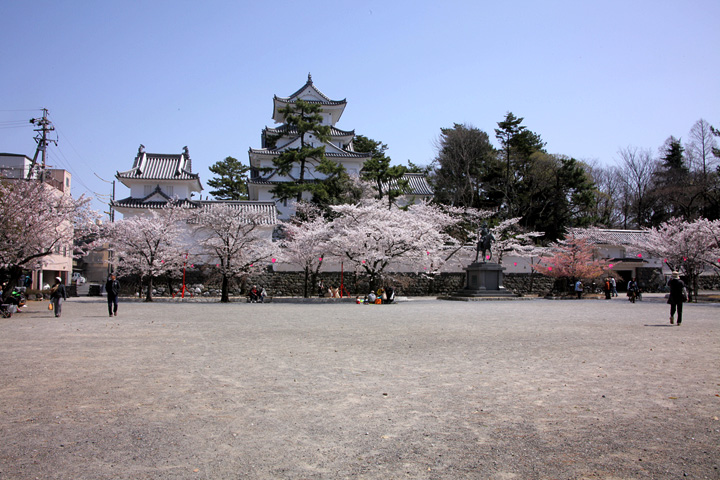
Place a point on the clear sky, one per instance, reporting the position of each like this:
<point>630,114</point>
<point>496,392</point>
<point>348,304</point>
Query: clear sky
<point>589,76</point>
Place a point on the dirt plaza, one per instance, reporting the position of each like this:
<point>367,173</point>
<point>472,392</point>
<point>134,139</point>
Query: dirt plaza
<point>424,389</point>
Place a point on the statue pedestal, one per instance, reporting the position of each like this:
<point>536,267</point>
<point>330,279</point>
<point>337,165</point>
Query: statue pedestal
<point>484,280</point>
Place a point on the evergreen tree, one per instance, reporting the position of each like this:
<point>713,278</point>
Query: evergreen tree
<point>231,180</point>
<point>556,194</point>
<point>386,179</point>
<point>306,119</point>
<point>675,191</point>
<point>517,146</point>
<point>464,166</point>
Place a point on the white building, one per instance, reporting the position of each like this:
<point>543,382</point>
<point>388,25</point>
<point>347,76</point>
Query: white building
<point>157,179</point>
<point>264,176</point>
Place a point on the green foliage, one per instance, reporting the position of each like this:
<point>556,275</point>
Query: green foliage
<point>675,192</point>
<point>518,144</point>
<point>466,168</point>
<point>305,118</point>
<point>231,180</point>
<point>386,179</point>
<point>415,168</point>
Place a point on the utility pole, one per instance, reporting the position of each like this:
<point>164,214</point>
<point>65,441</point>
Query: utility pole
<point>44,126</point>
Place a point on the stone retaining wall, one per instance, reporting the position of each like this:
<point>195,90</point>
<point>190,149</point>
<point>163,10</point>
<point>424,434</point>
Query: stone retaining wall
<point>292,284</point>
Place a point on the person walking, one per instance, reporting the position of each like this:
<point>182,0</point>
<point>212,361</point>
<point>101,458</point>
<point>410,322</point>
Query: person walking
<point>112,288</point>
<point>579,289</point>
<point>677,297</point>
<point>607,288</point>
<point>613,286</point>
<point>57,295</point>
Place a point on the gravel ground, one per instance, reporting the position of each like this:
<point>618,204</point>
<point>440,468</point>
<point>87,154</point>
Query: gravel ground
<point>422,389</point>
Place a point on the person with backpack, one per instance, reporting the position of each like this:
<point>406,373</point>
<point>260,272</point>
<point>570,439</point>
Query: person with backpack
<point>57,295</point>
<point>678,296</point>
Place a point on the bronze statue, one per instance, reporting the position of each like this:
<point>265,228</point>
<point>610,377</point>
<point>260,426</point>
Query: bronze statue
<point>484,242</point>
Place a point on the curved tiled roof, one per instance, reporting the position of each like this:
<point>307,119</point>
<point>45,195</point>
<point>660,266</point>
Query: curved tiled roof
<point>309,83</point>
<point>275,152</point>
<point>319,102</point>
<point>416,181</point>
<point>267,208</point>
<point>609,236</point>
<point>139,203</point>
<point>156,166</point>
<point>287,130</point>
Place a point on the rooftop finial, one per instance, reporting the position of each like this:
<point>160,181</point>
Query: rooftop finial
<point>309,78</point>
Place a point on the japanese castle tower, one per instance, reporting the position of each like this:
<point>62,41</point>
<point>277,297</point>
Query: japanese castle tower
<point>264,176</point>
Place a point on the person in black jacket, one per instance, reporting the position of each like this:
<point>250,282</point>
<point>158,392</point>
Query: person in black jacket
<point>57,295</point>
<point>676,297</point>
<point>112,287</point>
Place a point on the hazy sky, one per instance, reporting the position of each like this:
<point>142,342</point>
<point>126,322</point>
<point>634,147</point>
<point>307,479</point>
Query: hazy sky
<point>589,77</point>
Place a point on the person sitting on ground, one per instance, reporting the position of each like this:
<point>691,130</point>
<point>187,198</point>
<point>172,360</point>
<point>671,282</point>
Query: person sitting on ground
<point>371,297</point>
<point>389,295</point>
<point>254,294</point>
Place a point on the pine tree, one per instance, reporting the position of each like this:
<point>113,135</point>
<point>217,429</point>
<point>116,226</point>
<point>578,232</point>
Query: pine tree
<point>306,119</point>
<point>386,179</point>
<point>231,183</point>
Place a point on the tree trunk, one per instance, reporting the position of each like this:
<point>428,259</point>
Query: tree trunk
<point>224,294</point>
<point>15,273</point>
<point>305,286</point>
<point>148,297</point>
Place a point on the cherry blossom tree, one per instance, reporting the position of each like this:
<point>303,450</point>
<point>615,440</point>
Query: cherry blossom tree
<point>148,245</point>
<point>235,237</point>
<point>571,259</point>
<point>371,237</point>
<point>510,238</point>
<point>684,246</point>
<point>35,220</point>
<point>305,245</point>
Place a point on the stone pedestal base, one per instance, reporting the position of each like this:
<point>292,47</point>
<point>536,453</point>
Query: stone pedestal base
<point>484,280</point>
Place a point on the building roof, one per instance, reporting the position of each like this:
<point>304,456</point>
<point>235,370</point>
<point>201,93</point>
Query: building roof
<point>309,85</point>
<point>609,236</point>
<point>309,93</point>
<point>288,130</point>
<point>341,154</point>
<point>160,166</point>
<point>416,181</point>
<point>267,208</point>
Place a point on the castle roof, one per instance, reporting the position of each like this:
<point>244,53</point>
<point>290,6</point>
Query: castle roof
<point>160,167</point>
<point>416,182</point>
<point>309,93</point>
<point>162,200</point>
<point>288,130</point>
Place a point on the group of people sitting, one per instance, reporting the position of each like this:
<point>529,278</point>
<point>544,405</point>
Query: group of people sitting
<point>384,295</point>
<point>257,295</point>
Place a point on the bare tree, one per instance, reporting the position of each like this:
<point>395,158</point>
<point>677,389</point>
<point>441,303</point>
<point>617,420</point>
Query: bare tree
<point>610,195</point>
<point>699,148</point>
<point>637,167</point>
